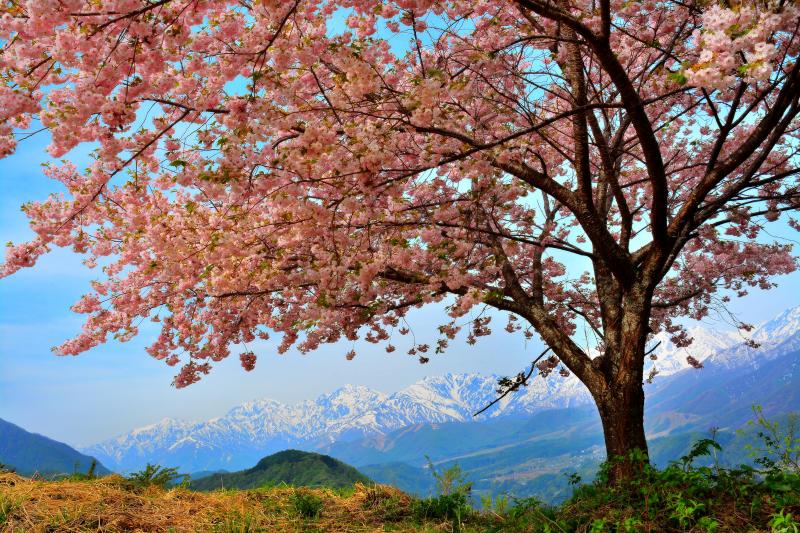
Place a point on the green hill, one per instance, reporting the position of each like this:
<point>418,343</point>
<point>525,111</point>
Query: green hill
<point>291,467</point>
<point>30,453</point>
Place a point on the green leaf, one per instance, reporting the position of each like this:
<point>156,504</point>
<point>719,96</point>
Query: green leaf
<point>678,77</point>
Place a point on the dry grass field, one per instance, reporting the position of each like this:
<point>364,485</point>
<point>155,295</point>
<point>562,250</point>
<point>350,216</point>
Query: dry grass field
<point>110,504</point>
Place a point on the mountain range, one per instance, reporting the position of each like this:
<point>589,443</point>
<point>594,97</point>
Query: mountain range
<point>354,417</point>
<point>256,428</point>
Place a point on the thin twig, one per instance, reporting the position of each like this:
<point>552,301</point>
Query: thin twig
<point>515,387</point>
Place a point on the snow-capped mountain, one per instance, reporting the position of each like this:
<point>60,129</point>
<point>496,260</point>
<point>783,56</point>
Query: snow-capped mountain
<point>774,338</point>
<point>255,428</point>
<point>781,327</point>
<point>250,431</point>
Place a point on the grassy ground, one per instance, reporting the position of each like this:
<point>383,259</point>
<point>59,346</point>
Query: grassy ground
<point>679,498</point>
<point>111,504</point>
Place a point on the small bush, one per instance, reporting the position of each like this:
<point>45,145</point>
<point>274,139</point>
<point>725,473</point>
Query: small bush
<point>442,507</point>
<point>88,476</point>
<point>686,497</point>
<point>683,496</point>
<point>306,504</point>
<point>530,514</point>
<point>784,523</point>
<point>453,501</point>
<point>451,480</point>
<point>780,446</point>
<point>157,476</point>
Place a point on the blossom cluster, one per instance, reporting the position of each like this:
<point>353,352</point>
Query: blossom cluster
<point>741,43</point>
<point>260,170</point>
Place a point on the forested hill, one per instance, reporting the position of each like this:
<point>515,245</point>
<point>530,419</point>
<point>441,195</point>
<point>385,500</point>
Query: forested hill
<point>291,467</point>
<point>30,453</point>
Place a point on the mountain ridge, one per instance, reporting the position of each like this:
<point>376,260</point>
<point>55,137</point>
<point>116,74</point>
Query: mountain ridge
<point>350,413</point>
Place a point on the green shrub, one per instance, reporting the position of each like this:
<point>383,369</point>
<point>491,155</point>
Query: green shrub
<point>158,476</point>
<point>306,504</point>
<point>89,475</point>
<point>530,514</point>
<point>496,504</point>
<point>453,500</point>
<point>451,480</point>
<point>442,507</point>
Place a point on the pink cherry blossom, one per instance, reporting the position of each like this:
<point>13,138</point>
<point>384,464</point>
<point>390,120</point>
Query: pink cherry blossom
<point>596,173</point>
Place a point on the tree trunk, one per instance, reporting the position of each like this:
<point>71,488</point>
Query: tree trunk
<point>622,416</point>
<point>621,401</point>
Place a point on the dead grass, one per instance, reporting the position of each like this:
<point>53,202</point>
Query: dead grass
<point>110,504</point>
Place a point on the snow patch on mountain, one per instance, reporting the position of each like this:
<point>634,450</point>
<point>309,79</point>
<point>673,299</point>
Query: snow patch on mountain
<point>671,359</point>
<point>779,328</point>
<point>774,338</point>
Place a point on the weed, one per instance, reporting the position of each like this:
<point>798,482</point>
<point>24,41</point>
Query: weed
<point>684,511</point>
<point>708,524</point>
<point>780,446</point>
<point>89,475</point>
<point>7,507</point>
<point>496,504</point>
<point>784,523</point>
<point>685,496</point>
<point>599,525</point>
<point>444,506</point>
<point>529,514</point>
<point>452,503</point>
<point>631,524</point>
<point>236,523</point>
<point>385,503</point>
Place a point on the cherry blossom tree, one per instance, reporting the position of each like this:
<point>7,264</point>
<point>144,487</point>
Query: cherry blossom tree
<point>316,169</point>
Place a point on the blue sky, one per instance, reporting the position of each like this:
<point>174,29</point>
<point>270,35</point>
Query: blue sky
<point>116,387</point>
